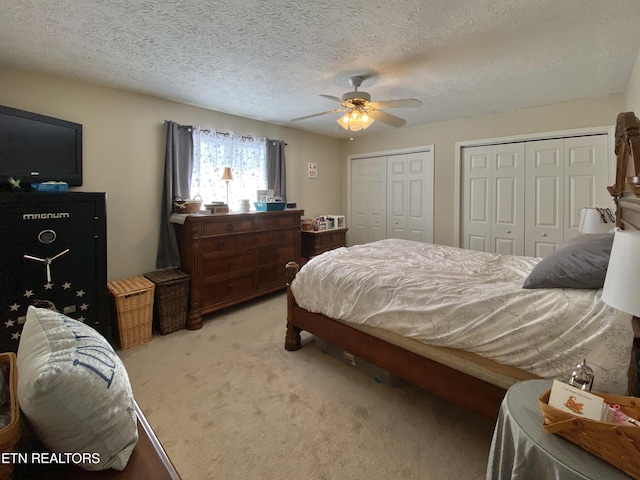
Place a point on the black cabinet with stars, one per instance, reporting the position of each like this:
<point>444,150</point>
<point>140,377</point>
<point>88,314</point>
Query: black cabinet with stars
<point>53,247</point>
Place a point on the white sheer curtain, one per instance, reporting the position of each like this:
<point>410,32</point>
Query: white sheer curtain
<point>247,157</point>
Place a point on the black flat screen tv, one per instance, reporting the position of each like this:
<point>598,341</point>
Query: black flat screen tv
<point>35,148</point>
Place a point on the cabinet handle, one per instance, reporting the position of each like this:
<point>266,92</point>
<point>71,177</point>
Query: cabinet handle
<point>230,287</point>
<point>276,254</point>
<point>277,221</point>
<point>544,234</point>
<point>509,231</point>
<point>220,244</point>
<point>255,240</point>
<point>331,239</point>
<point>230,262</point>
<point>229,227</point>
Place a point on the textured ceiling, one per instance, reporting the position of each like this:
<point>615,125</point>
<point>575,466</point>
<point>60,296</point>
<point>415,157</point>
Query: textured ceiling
<point>271,60</point>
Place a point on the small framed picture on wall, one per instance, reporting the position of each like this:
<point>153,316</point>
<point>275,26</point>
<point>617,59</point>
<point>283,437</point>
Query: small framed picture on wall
<point>312,170</point>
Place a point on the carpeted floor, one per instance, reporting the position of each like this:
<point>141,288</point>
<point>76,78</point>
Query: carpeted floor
<point>228,402</point>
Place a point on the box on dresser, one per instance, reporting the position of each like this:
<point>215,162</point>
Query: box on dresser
<point>236,257</point>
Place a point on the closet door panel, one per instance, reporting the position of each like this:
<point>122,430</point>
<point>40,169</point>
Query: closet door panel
<point>544,211</point>
<point>507,198</point>
<point>476,230</point>
<point>419,184</point>
<point>586,178</point>
<point>397,198</point>
<point>359,218</point>
<point>377,199</point>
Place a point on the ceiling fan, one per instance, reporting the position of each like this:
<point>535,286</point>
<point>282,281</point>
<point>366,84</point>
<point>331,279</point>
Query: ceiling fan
<point>360,112</point>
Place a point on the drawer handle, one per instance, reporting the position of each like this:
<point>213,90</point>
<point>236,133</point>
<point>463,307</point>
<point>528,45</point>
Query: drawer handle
<point>255,240</point>
<point>331,239</point>
<point>229,227</point>
<point>277,221</point>
<point>276,254</point>
<point>220,244</point>
<point>230,262</point>
<point>230,287</point>
<point>544,234</point>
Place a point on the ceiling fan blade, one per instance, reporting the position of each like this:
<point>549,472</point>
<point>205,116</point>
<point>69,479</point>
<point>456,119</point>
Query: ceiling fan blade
<point>387,118</point>
<point>332,98</point>
<point>338,110</point>
<point>404,103</point>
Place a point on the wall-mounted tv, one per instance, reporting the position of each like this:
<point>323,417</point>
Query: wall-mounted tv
<point>35,148</point>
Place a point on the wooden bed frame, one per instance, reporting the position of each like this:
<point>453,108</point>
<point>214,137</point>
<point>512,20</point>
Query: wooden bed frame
<point>448,383</point>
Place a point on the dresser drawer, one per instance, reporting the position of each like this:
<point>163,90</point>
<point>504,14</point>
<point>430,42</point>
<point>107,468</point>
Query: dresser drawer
<point>255,240</point>
<point>330,239</point>
<point>226,265</point>
<point>232,287</point>
<point>222,245</point>
<point>284,236</point>
<point>283,254</point>
<point>267,222</point>
<point>225,225</point>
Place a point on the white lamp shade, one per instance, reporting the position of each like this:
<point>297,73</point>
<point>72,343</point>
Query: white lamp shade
<point>622,283</point>
<point>591,222</point>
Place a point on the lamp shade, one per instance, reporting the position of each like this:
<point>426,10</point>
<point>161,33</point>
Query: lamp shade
<point>226,175</point>
<point>591,222</point>
<point>622,284</point>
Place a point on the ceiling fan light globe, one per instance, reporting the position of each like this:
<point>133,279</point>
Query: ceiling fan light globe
<point>366,123</point>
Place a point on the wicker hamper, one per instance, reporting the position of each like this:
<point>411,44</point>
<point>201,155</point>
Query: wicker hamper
<point>171,299</point>
<point>614,443</point>
<point>11,433</point>
<point>133,301</point>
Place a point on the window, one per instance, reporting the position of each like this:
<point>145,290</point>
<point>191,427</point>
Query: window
<point>246,156</point>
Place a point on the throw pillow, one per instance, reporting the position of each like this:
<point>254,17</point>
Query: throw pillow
<point>580,264</point>
<point>75,391</point>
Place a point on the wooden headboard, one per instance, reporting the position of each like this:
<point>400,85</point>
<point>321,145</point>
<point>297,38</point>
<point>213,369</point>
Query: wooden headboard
<point>626,190</point>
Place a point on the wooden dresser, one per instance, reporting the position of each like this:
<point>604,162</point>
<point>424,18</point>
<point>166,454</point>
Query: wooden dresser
<point>317,242</point>
<point>235,257</point>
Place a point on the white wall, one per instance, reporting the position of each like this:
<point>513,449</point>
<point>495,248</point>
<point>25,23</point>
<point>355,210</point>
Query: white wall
<point>632,96</point>
<point>563,116</point>
<point>123,150</point>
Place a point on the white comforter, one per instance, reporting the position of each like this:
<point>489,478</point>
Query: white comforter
<point>472,301</point>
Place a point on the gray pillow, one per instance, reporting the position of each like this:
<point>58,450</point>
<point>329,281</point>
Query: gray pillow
<point>579,264</point>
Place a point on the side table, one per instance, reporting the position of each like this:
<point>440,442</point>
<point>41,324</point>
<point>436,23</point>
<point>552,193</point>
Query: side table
<point>317,242</point>
<point>521,449</point>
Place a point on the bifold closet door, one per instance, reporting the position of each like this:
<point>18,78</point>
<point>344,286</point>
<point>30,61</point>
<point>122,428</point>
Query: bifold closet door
<point>562,176</point>
<point>410,196</point>
<point>368,200</point>
<point>494,198</point>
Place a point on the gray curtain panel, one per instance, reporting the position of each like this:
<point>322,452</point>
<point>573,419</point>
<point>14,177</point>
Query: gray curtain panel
<point>178,162</point>
<point>276,172</point>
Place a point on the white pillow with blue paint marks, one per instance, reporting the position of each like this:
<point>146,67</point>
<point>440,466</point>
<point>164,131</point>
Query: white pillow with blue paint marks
<point>75,391</point>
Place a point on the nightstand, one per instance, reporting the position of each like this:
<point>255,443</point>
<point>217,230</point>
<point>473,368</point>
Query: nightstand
<point>317,242</point>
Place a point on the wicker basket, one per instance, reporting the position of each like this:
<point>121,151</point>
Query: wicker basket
<point>187,206</point>
<point>133,298</point>
<point>11,433</point>
<point>614,443</point>
<point>171,299</point>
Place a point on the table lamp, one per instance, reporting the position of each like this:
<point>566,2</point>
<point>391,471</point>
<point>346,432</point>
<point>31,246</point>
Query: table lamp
<point>622,283</point>
<point>591,221</point>
<point>227,177</point>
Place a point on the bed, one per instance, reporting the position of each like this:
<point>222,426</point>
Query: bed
<point>400,305</point>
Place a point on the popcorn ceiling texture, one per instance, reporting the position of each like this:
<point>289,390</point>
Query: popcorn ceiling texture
<point>270,60</point>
